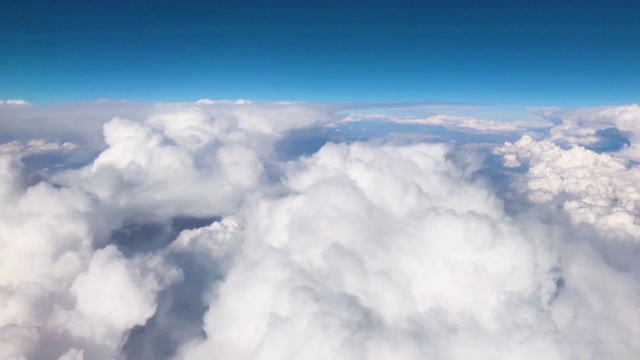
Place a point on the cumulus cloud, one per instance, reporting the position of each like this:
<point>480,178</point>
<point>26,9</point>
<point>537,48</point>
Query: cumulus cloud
<point>78,293</point>
<point>393,252</point>
<point>595,188</point>
<point>599,189</point>
<point>113,295</point>
<point>188,236</point>
<point>169,164</point>
<point>598,194</point>
<point>373,248</point>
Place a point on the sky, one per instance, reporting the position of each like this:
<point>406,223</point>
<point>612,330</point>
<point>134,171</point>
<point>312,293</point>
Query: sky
<point>319,180</point>
<point>521,53</point>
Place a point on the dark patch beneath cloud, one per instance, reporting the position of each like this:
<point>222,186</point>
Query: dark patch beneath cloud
<point>609,140</point>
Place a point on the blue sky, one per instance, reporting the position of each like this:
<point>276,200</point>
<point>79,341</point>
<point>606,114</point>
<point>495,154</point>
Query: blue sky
<point>555,53</point>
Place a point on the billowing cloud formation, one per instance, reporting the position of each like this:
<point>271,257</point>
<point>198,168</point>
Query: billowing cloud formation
<point>189,237</point>
<point>595,188</point>
<point>56,288</point>
<point>379,252</point>
<point>63,282</point>
<point>189,162</point>
<point>393,252</point>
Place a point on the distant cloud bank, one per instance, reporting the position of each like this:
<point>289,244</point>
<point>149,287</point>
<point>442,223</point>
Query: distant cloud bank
<point>35,146</point>
<point>14,102</point>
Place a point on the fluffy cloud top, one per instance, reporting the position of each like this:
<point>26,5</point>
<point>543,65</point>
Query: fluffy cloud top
<point>379,252</point>
<point>595,188</point>
<point>188,237</point>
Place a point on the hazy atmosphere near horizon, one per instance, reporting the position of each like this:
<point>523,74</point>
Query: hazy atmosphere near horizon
<point>319,179</point>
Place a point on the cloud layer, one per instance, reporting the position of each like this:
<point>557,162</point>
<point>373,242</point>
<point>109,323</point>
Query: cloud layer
<point>188,236</point>
<point>599,189</point>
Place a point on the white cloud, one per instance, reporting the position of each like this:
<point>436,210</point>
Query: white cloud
<point>579,126</point>
<point>215,241</point>
<point>214,102</point>
<point>371,246</point>
<point>167,165</point>
<point>35,146</point>
<point>598,189</point>
<point>13,147</point>
<point>80,124</point>
<point>43,243</point>
<point>56,290</point>
<point>392,251</point>
<point>113,295</point>
<point>376,249</point>
<point>73,354</point>
<point>57,281</point>
<point>211,102</point>
<point>455,121</point>
<point>17,102</point>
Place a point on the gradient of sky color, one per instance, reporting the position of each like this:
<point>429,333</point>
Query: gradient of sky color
<point>556,53</point>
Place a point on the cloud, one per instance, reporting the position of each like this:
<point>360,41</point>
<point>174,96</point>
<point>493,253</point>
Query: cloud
<point>392,251</point>
<point>456,121</point>
<point>35,146</point>
<point>187,235</point>
<point>17,102</point>
<point>166,165</point>
<point>113,295</point>
<point>373,252</point>
<point>80,124</point>
<point>80,291</point>
<point>214,102</point>
<point>593,188</point>
<point>583,126</point>
<point>599,189</point>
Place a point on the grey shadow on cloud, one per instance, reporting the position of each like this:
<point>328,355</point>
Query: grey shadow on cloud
<point>609,140</point>
<point>181,307</point>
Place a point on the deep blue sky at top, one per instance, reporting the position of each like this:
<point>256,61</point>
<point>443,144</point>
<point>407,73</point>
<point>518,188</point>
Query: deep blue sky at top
<point>560,53</point>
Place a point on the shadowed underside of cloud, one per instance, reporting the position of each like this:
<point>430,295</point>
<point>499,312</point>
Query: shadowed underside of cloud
<point>191,236</point>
